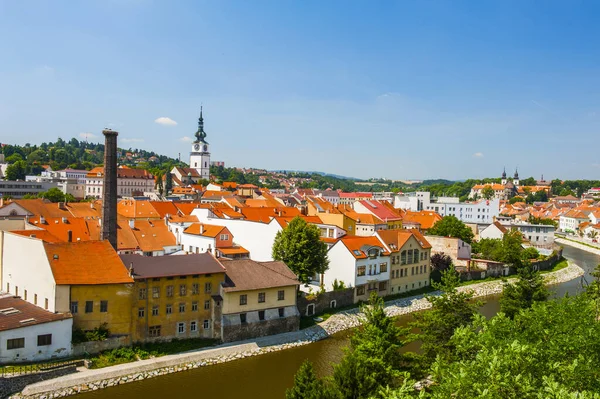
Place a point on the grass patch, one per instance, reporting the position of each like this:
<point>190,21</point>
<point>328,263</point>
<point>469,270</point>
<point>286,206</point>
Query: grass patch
<point>562,264</point>
<point>485,280</point>
<point>147,351</point>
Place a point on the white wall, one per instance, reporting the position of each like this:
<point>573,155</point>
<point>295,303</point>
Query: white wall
<point>342,266</point>
<point>25,265</point>
<point>254,236</point>
<point>61,331</point>
<point>492,232</point>
<point>200,243</point>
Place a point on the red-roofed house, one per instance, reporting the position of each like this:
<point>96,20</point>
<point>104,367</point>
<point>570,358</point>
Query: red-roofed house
<point>387,214</point>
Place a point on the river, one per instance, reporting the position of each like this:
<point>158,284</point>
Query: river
<point>267,376</point>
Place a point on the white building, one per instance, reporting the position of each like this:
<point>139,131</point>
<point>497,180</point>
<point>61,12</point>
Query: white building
<point>539,235</point>
<point>569,222</point>
<point>200,155</point>
<point>478,212</point>
<point>20,188</point>
<point>29,333</point>
<point>130,182</point>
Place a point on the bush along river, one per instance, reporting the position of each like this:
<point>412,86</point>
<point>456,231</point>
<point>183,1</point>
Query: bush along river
<point>267,376</point>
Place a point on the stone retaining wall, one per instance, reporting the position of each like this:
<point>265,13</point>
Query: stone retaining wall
<point>93,347</point>
<point>578,246</point>
<point>137,371</point>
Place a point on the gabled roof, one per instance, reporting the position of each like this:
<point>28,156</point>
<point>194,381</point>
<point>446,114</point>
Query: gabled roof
<point>502,229</point>
<point>167,266</point>
<point>43,235</point>
<point>43,207</point>
<point>153,235</point>
<point>246,275</point>
<point>381,211</point>
<point>265,215</point>
<point>358,246</point>
<point>134,209</point>
<point>25,314</point>
<point>86,263</point>
<point>205,230</point>
<point>60,227</point>
<point>164,208</point>
<point>425,218</point>
<point>395,239</point>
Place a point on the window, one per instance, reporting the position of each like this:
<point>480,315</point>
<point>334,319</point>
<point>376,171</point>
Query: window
<point>182,307</point>
<point>89,306</point>
<point>155,292</point>
<point>46,303</point>
<point>180,328</point>
<point>416,255</point>
<point>207,287</point>
<point>15,343</point>
<point>142,293</point>
<point>224,237</point>
<point>182,290</point>
<point>206,324</point>
<point>195,306</point>
<point>243,318</point>
<point>193,326</point>
<point>243,299</point>
<point>360,290</point>
<point>195,289</point>
<point>261,315</point>
<point>154,331</point>
<point>280,295</point>
<point>155,310</point>
<point>281,312</point>
<point>44,340</point>
<point>382,267</point>
<point>74,307</point>
<point>382,285</point>
<point>169,309</point>
<point>361,271</point>
<point>261,297</point>
<point>103,306</point>
<point>409,259</point>
<point>207,304</point>
<point>141,312</point>
<point>403,258</point>
<point>169,291</point>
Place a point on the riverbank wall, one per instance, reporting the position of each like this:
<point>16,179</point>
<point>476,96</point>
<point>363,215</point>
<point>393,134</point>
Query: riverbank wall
<point>85,380</point>
<point>575,244</point>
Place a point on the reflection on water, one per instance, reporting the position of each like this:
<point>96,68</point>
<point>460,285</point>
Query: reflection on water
<point>268,376</point>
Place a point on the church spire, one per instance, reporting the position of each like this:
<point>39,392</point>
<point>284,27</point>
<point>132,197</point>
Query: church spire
<point>200,133</point>
<point>504,173</point>
<point>516,173</point>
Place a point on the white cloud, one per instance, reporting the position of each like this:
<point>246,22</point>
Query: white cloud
<point>166,121</point>
<point>186,139</point>
<point>132,140</point>
<point>87,136</point>
<point>478,155</point>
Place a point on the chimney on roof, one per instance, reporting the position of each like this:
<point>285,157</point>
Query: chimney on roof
<point>42,219</point>
<point>201,229</point>
<point>91,205</point>
<point>69,236</point>
<point>109,201</point>
<point>61,205</point>
<point>131,269</point>
<point>132,224</point>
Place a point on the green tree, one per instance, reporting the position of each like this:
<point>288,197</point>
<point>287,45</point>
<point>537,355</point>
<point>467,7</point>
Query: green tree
<point>488,192</point>
<point>528,288</point>
<point>16,171</point>
<point>53,195</point>
<point>300,247</point>
<point>516,199</point>
<point>530,253</point>
<point>158,183</point>
<point>448,311</point>
<point>451,226</point>
<point>372,360</point>
<point>306,384</point>
<point>168,183</point>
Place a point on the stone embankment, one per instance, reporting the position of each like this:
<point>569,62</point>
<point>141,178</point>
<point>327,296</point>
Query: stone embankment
<point>90,380</point>
<point>574,244</point>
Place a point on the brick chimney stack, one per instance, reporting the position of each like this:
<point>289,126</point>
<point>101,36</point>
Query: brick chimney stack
<point>109,193</point>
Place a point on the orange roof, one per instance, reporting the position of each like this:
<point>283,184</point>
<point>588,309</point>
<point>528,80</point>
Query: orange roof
<point>43,235</point>
<point>359,245</point>
<point>60,227</point>
<point>381,211</point>
<point>425,218</point>
<point>233,202</point>
<point>494,186</point>
<point>205,230</point>
<point>229,184</point>
<point>153,235</point>
<point>42,207</point>
<point>164,207</point>
<point>210,193</point>
<point>233,250</point>
<point>264,215</point>
<point>85,209</point>
<point>133,209</point>
<point>186,207</point>
<point>263,203</point>
<point>125,238</point>
<point>284,221</point>
<point>360,218</point>
<point>183,219</point>
<point>396,239</point>
<point>86,263</point>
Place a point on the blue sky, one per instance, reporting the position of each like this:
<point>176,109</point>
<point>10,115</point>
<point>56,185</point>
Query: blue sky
<point>399,89</point>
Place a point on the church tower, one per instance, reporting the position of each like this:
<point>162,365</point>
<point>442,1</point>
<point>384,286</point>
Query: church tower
<point>504,179</point>
<point>200,157</point>
<point>516,178</point>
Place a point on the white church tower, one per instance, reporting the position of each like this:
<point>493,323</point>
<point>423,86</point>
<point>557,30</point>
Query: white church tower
<point>200,157</point>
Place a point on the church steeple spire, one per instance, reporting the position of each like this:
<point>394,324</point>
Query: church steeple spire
<point>504,173</point>
<point>200,133</point>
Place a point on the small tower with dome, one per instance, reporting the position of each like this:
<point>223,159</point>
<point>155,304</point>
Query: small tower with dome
<point>516,178</point>
<point>504,179</point>
<point>200,156</point>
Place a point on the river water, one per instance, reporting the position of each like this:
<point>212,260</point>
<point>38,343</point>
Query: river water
<point>267,376</point>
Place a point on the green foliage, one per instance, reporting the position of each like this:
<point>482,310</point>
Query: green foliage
<point>338,285</point>
<point>16,171</point>
<point>300,247</point>
<point>528,289</point>
<point>530,253</point>
<point>488,192</point>
<point>507,250</point>
<point>549,351</point>
<point>99,333</point>
<point>544,221</point>
<point>449,311</point>
<point>53,195</point>
<point>516,199</point>
<point>306,384</point>
<point>451,226</point>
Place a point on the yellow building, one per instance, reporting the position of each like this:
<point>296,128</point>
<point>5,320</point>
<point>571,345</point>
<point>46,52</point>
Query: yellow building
<point>173,296</point>
<point>259,298</point>
<point>410,254</point>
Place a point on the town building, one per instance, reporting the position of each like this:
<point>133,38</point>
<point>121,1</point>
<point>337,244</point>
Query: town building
<point>29,333</point>
<point>458,250</point>
<point>258,298</point>
<point>69,181</point>
<point>130,182</point>
<point>173,296</point>
<point>200,155</point>
<point>20,188</point>
<point>217,240</point>
<point>569,222</point>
